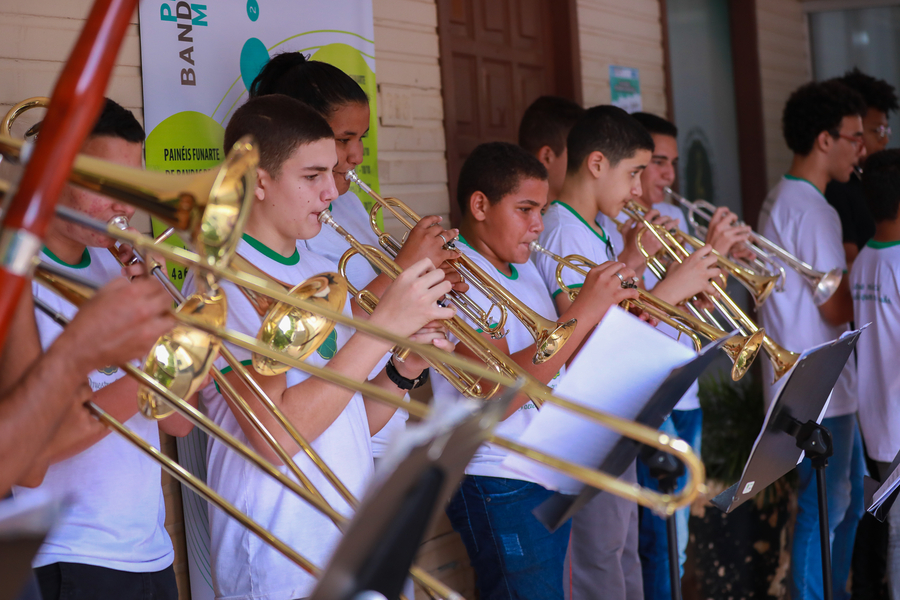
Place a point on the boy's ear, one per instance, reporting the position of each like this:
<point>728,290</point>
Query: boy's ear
<point>263,181</point>
<point>596,163</point>
<point>478,206</point>
<point>546,155</point>
<point>824,141</point>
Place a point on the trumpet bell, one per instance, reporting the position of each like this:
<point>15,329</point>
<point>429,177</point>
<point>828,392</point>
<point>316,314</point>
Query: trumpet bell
<point>298,333</point>
<point>743,351</point>
<point>551,338</point>
<point>181,358</point>
<point>826,286</point>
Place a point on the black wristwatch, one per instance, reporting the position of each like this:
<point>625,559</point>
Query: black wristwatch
<point>402,382</point>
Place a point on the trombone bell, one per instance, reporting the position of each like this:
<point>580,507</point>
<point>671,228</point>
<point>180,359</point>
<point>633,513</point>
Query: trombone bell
<point>295,332</point>
<point>181,358</point>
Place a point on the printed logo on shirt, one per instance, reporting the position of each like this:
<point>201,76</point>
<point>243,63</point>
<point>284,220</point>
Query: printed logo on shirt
<point>328,348</point>
<point>108,370</point>
<point>870,292</point>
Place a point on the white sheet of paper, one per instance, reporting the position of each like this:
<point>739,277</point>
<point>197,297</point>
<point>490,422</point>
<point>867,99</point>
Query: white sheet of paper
<point>617,371</point>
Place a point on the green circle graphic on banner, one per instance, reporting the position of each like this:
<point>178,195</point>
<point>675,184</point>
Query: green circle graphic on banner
<point>254,57</point>
<point>186,142</point>
<point>252,10</point>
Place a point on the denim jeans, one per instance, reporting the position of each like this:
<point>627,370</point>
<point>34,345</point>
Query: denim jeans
<point>654,540</point>
<point>844,481</point>
<point>512,553</point>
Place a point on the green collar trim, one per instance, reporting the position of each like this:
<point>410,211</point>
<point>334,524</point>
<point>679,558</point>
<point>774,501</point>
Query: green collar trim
<point>84,263</point>
<point>269,253</point>
<point>512,267</point>
<point>603,238</point>
<point>792,178</point>
<point>571,287</point>
<point>882,245</point>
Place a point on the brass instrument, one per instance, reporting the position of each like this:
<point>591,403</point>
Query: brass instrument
<point>16,111</point>
<point>549,336</point>
<point>759,286</point>
<point>210,206</point>
<point>662,503</point>
<point>767,253</point>
<point>742,350</point>
<point>782,360</point>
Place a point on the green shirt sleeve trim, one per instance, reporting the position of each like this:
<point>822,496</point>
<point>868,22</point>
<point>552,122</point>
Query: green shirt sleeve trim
<point>882,245</point>
<point>571,287</point>
<point>269,253</point>
<point>228,369</point>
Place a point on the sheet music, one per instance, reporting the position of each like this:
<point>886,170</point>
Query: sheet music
<point>617,371</point>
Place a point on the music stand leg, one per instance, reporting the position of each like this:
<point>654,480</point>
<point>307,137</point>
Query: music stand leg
<point>666,469</point>
<point>815,440</point>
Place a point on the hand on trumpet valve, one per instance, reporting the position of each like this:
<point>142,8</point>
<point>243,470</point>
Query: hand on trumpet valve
<point>728,235</point>
<point>689,278</point>
<point>429,240</point>
<point>434,334</point>
<point>606,285</point>
<point>410,302</point>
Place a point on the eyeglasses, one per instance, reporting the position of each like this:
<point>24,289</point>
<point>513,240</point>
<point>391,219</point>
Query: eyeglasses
<point>855,139</point>
<point>882,131</point>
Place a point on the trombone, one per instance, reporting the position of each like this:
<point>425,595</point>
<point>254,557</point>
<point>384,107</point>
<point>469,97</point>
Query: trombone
<point>662,503</point>
<point>742,350</point>
<point>549,336</point>
<point>782,359</point>
<point>767,253</point>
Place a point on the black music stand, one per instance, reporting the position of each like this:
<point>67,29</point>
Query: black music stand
<point>422,468</point>
<point>880,497</point>
<point>792,428</point>
<point>560,507</point>
<point>23,527</point>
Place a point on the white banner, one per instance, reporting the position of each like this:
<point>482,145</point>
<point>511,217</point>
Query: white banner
<point>198,61</point>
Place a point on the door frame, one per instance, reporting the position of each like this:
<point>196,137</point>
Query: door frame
<point>567,76</point>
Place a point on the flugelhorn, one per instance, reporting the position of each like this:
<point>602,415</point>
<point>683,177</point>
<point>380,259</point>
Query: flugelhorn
<point>742,350</point>
<point>549,336</point>
<point>782,359</point>
<point>767,253</point>
<point>662,503</point>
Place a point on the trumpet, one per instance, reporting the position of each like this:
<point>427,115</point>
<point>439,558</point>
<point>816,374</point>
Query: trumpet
<point>767,253</point>
<point>662,503</point>
<point>549,336</point>
<point>742,350</point>
<point>782,359</point>
<point>759,286</point>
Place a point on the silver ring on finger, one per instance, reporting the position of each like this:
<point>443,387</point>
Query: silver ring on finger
<point>619,275</point>
<point>441,235</point>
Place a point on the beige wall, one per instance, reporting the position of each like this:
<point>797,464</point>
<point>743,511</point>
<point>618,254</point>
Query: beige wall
<point>626,33</point>
<point>785,65</point>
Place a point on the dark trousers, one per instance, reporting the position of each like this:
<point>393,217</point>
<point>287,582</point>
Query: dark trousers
<point>72,581</point>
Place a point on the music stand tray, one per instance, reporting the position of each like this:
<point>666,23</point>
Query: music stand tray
<point>880,497</point>
<point>560,507</point>
<point>421,470</point>
<point>802,399</point>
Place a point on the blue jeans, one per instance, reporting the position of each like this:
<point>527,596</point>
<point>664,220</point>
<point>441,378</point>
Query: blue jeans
<point>844,481</point>
<point>653,541</point>
<point>512,553</point>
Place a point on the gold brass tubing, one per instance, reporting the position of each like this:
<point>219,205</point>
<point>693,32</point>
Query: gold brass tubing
<point>203,490</point>
<point>641,433</point>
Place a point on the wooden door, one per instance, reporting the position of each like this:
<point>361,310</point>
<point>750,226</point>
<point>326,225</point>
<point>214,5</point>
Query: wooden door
<point>497,57</point>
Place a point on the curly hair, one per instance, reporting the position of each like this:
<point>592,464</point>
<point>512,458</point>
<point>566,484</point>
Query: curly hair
<point>877,93</point>
<point>817,107</point>
<point>881,184</point>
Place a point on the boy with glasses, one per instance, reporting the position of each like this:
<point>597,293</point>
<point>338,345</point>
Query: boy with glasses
<point>822,125</point>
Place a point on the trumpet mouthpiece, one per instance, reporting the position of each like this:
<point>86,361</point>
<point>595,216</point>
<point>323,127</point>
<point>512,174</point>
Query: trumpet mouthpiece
<point>120,221</point>
<point>534,246</point>
<point>351,176</point>
<point>325,217</point>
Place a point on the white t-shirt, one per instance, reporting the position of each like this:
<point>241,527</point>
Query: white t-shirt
<point>797,217</point>
<point>243,565</point>
<point>526,285</point>
<point>875,284</point>
<point>114,508</point>
<point>691,398</point>
<point>348,211</point>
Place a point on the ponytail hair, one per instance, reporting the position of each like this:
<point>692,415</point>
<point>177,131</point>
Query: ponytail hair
<point>317,84</point>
